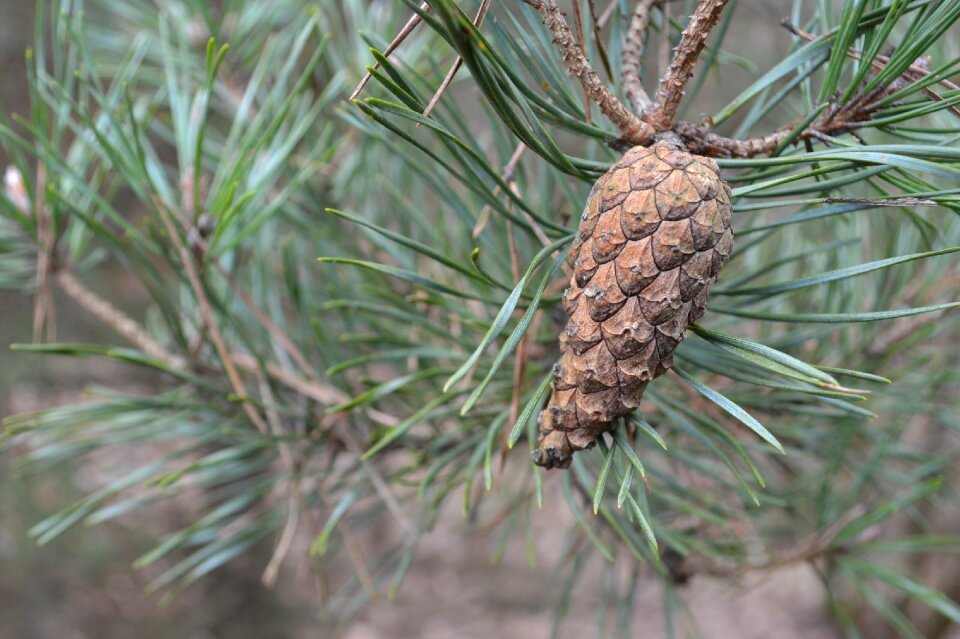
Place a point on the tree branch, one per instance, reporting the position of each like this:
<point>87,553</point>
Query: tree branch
<point>702,142</point>
<point>44,309</point>
<point>692,42</point>
<point>819,544</point>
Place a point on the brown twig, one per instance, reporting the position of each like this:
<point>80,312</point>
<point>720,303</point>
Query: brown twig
<point>313,389</point>
<point>509,170</point>
<point>607,13</point>
<point>692,41</point>
<point>128,328</point>
<point>115,319</point>
<point>379,483</point>
<point>632,128</point>
<point>396,42</point>
<point>353,549</point>
<point>632,48</point>
<point>272,571</point>
<point>835,119</point>
<point>702,142</point>
<point>324,394</point>
<point>478,20</point>
<point>879,61</point>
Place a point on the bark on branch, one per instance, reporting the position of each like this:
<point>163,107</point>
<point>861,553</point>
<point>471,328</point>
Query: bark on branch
<point>674,81</point>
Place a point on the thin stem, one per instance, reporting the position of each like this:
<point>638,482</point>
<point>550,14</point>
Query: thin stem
<point>379,483</point>
<point>396,42</point>
<point>913,73</point>
<point>836,119</point>
<point>818,544</point>
<point>294,492</point>
<point>703,142</point>
<point>478,20</point>
<point>128,328</point>
<point>268,324</point>
<point>508,173</point>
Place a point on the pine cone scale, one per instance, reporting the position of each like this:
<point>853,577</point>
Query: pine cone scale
<point>654,234</point>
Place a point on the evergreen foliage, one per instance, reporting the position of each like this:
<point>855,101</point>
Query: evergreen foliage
<point>403,373</point>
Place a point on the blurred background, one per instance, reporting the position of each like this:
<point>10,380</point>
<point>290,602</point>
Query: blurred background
<point>83,585</point>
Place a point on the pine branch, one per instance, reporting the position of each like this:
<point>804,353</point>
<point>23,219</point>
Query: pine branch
<point>682,473</point>
<point>833,120</point>
<point>116,319</point>
<point>685,56</point>
<point>293,489</point>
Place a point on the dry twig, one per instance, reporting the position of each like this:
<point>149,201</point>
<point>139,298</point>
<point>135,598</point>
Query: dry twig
<point>294,492</point>
<point>115,319</point>
<point>268,324</point>
<point>509,170</point>
<point>481,13</point>
<point>837,118</point>
<point>396,42</point>
<point>808,549</point>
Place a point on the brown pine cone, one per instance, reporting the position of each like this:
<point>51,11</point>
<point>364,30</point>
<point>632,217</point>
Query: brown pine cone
<point>653,236</point>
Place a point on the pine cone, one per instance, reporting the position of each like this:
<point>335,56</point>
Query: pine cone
<point>653,236</point>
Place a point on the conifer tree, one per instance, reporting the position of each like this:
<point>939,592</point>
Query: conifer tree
<point>711,405</point>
